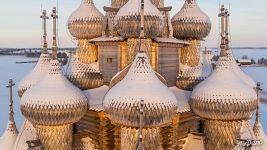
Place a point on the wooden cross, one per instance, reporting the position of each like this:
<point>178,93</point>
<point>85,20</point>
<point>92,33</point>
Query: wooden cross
<point>44,17</point>
<point>11,111</point>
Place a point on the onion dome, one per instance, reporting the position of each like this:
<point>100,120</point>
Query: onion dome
<point>8,139</point>
<point>84,76</point>
<point>191,22</point>
<point>54,100</point>
<point>223,95</point>
<point>128,19</point>
<point>191,76</point>
<point>86,22</point>
<point>258,130</point>
<point>140,84</point>
<point>246,132</point>
<point>27,133</point>
<point>35,75</point>
<point>121,74</point>
<point>260,135</point>
<point>41,67</point>
<point>240,72</point>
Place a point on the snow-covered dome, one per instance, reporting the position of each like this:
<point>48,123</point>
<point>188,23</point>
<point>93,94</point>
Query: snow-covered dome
<point>191,22</point>
<point>86,22</point>
<point>121,74</point>
<point>128,19</point>
<point>259,132</point>
<point>84,76</point>
<point>26,133</point>
<point>223,95</point>
<point>191,76</point>
<point>239,72</point>
<point>35,75</point>
<point>40,68</point>
<point>245,133</point>
<point>141,83</point>
<point>54,100</point>
<point>8,139</point>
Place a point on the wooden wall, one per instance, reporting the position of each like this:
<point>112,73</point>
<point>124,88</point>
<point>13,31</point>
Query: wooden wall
<point>109,60</point>
<point>168,63</point>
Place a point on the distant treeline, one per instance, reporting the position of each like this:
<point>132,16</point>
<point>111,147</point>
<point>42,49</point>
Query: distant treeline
<point>29,52</point>
<point>37,49</point>
<point>262,61</point>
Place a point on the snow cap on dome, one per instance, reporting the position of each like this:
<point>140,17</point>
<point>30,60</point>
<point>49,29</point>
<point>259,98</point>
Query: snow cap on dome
<point>40,68</point>
<point>7,140</point>
<point>53,100</point>
<point>35,75</point>
<point>260,135</point>
<point>84,76</point>
<point>191,76</point>
<point>128,19</point>
<point>228,52</point>
<point>242,75</point>
<point>259,132</point>
<point>26,133</point>
<point>257,128</point>
<point>224,95</point>
<point>202,71</point>
<point>141,83</point>
<point>86,22</point>
<point>191,22</point>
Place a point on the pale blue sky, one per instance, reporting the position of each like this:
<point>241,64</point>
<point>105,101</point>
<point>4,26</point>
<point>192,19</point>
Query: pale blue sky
<point>20,25</point>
